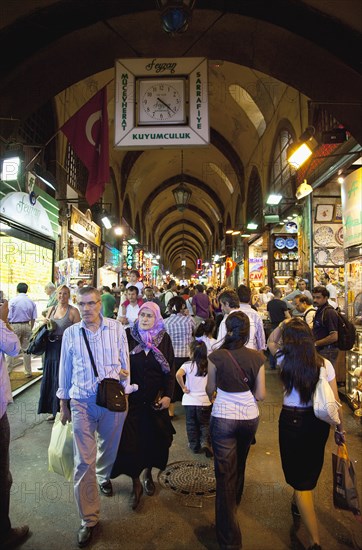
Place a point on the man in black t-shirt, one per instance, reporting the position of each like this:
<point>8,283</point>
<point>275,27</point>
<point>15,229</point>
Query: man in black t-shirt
<point>325,325</point>
<point>277,309</point>
<point>278,312</point>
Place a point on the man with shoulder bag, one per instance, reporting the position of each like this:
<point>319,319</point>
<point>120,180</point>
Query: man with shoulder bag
<point>94,356</point>
<point>325,325</point>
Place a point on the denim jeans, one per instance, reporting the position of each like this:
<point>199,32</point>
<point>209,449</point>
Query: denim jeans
<point>330,353</point>
<point>198,426</point>
<point>231,440</point>
<point>5,476</point>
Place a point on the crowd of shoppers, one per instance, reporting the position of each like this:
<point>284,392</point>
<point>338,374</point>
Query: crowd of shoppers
<point>220,374</point>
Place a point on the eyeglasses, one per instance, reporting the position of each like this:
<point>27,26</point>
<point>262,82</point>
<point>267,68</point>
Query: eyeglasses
<point>90,304</point>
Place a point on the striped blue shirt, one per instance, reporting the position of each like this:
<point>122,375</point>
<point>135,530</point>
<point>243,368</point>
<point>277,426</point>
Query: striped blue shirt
<point>109,347</point>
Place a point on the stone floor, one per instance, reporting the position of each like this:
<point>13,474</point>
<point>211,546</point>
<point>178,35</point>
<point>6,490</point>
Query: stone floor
<point>168,520</point>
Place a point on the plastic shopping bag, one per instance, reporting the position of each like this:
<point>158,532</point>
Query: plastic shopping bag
<point>60,451</point>
<point>345,495</point>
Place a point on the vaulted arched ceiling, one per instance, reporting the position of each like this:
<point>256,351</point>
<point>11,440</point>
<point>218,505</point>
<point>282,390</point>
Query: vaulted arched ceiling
<point>255,49</point>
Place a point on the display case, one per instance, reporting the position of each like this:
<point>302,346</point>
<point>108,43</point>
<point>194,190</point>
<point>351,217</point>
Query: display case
<point>354,311</point>
<point>285,255</point>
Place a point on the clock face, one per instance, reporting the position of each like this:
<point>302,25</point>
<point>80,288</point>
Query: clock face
<point>161,101</point>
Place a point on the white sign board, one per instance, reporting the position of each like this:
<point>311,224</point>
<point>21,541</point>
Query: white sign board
<point>152,103</point>
<point>352,209</point>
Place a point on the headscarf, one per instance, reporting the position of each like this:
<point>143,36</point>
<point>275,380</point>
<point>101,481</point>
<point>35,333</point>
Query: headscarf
<point>150,339</point>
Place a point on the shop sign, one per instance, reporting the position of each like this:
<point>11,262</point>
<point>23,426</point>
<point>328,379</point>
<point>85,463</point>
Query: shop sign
<point>130,73</point>
<point>29,210</point>
<point>83,225</point>
<point>351,209</point>
<point>129,256</point>
<point>140,262</point>
<point>256,270</point>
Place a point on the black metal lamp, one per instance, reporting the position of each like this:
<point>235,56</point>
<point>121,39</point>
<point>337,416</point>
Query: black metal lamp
<point>175,14</point>
<point>181,193</point>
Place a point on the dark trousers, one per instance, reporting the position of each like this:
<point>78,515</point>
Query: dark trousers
<point>198,426</point>
<point>5,476</point>
<point>231,440</point>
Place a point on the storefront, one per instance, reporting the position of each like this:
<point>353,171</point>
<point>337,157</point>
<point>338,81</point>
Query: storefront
<point>352,242</point>
<point>84,240</point>
<point>29,232</point>
<point>112,262</point>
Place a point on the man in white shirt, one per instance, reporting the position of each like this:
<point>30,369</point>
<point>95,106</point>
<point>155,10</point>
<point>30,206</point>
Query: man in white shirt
<point>229,302</point>
<point>326,281</point>
<point>257,334</point>
<point>10,537</point>
<point>96,430</point>
<point>129,311</point>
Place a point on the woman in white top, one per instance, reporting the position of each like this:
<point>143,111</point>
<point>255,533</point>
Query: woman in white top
<point>302,436</point>
<point>237,374</point>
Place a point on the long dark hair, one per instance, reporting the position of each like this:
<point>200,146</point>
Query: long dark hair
<point>238,330</point>
<point>198,354</point>
<point>300,362</point>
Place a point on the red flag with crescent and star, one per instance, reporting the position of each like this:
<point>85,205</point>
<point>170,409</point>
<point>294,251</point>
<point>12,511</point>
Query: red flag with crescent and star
<point>87,132</point>
<point>230,266</point>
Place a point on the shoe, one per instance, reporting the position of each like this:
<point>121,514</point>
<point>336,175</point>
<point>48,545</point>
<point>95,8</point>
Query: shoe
<point>14,537</point>
<point>28,375</point>
<point>50,417</point>
<point>315,547</point>
<point>149,486</point>
<point>40,368</point>
<point>136,493</point>
<point>208,452</point>
<point>106,488</point>
<point>84,535</point>
<point>295,510</point>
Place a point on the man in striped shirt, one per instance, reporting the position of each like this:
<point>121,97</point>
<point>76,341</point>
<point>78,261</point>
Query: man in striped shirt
<point>96,430</point>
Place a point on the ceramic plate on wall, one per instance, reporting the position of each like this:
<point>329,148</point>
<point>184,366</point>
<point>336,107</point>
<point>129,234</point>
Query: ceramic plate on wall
<point>321,256</point>
<point>337,255</point>
<point>323,235</point>
<point>280,243</point>
<point>290,243</point>
<point>339,236</point>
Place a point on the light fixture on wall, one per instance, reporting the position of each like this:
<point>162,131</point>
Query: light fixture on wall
<point>303,190</point>
<point>175,15</point>
<point>106,221</point>
<point>252,226</point>
<point>274,199</point>
<point>181,193</point>
<point>301,150</point>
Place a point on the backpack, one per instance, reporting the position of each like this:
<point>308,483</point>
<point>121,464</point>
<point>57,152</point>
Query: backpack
<point>346,331</point>
<point>163,308</point>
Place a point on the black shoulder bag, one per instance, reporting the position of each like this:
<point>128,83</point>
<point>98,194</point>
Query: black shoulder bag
<point>110,393</point>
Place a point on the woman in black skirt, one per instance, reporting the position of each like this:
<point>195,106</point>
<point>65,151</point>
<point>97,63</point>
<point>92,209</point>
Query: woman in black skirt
<point>302,436</point>
<point>148,432</point>
<point>63,316</point>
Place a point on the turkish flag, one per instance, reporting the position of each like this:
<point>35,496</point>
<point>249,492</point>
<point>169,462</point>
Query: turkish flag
<point>87,132</point>
<point>230,266</point>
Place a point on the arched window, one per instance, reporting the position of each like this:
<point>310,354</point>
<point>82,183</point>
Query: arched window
<point>127,213</point>
<point>281,170</point>
<point>254,203</point>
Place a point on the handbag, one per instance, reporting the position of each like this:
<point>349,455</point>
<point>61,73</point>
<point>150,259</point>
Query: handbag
<point>110,392</point>
<point>39,338</point>
<point>60,451</point>
<point>325,405</point>
<point>345,494</point>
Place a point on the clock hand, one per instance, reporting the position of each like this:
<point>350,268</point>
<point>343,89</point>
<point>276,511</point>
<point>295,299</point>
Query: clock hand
<point>165,104</point>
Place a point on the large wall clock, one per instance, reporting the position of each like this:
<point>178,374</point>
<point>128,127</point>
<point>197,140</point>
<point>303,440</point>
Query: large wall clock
<point>161,101</point>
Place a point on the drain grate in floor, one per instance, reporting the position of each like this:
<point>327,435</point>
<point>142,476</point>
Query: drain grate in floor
<point>189,478</point>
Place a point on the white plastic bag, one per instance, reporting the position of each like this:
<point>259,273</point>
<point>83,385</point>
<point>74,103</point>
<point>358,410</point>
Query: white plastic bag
<point>325,405</point>
<point>60,451</point>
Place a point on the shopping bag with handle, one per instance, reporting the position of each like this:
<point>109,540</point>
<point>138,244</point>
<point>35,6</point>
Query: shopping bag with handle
<point>345,494</point>
<point>60,451</point>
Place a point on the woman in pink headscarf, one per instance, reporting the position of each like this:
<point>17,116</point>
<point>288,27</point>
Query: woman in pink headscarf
<point>148,432</point>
